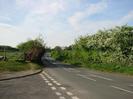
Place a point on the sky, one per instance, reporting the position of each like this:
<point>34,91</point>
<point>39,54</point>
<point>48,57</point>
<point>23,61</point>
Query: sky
<point>59,22</point>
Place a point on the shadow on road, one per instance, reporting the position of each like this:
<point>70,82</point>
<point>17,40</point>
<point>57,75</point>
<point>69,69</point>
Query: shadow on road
<point>57,64</point>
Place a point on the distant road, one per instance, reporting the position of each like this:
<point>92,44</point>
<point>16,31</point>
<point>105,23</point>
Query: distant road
<point>61,81</point>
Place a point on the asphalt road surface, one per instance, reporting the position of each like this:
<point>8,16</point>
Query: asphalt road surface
<point>88,84</point>
<point>61,81</point>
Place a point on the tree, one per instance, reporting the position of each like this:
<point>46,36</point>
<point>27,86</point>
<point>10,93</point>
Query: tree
<point>106,46</point>
<point>33,49</point>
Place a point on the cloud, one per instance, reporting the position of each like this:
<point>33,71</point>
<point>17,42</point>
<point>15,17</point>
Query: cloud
<point>8,33</point>
<point>4,18</point>
<point>81,22</point>
<point>59,21</point>
<point>13,35</point>
<point>42,6</point>
<point>127,18</point>
<point>41,14</point>
<point>41,17</point>
<point>4,25</point>
<point>92,9</point>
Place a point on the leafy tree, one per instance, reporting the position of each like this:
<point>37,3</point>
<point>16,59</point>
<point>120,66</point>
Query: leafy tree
<point>33,49</point>
<point>106,46</point>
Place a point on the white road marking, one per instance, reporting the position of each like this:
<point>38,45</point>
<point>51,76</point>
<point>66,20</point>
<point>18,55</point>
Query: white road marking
<point>62,97</point>
<point>50,84</point>
<point>74,70</point>
<point>58,93</point>
<point>52,79</point>
<point>63,88</point>
<point>69,93</point>
<point>75,97</point>
<point>45,79</point>
<point>131,85</point>
<point>42,75</point>
<point>84,76</point>
<point>66,70</point>
<point>122,89</point>
<point>100,77</point>
<point>58,84</point>
<point>49,77</point>
<point>53,88</point>
<point>43,72</point>
<point>70,70</point>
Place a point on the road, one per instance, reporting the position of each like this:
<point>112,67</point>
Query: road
<point>61,81</point>
<point>31,87</point>
<point>88,84</point>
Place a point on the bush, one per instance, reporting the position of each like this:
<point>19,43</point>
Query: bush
<point>113,46</point>
<point>33,49</point>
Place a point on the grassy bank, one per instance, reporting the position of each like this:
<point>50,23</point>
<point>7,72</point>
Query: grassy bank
<point>12,55</point>
<point>112,68</point>
<point>14,65</point>
<point>105,67</point>
<point>17,66</point>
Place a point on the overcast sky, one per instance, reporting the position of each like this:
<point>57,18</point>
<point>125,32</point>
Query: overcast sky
<point>59,21</point>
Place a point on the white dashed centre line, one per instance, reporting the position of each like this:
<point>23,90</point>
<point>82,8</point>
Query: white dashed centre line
<point>63,88</point>
<point>53,88</point>
<point>131,85</point>
<point>66,70</point>
<point>54,81</point>
<point>84,76</point>
<point>69,93</point>
<point>74,70</point>
<point>58,93</point>
<point>42,75</point>
<point>49,77</point>
<point>122,89</point>
<point>50,84</point>
<point>44,79</point>
<point>100,77</point>
<point>58,84</point>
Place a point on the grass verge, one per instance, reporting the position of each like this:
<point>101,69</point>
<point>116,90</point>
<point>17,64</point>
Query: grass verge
<point>13,65</point>
<point>111,68</point>
<point>116,68</point>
